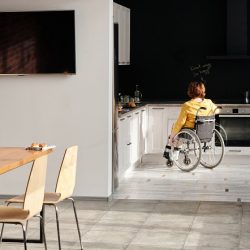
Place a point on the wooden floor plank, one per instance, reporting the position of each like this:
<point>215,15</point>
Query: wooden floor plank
<point>230,181</point>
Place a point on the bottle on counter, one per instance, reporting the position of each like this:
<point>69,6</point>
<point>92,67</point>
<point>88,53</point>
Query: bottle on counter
<point>138,94</point>
<point>120,98</point>
<point>126,99</point>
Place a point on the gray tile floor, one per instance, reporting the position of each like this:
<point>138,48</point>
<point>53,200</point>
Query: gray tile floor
<point>158,208</point>
<point>146,224</point>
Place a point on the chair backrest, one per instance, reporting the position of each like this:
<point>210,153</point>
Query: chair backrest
<point>204,126</point>
<point>66,179</point>
<point>34,194</point>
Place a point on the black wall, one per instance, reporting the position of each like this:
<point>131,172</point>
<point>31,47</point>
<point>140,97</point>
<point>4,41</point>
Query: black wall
<point>167,37</point>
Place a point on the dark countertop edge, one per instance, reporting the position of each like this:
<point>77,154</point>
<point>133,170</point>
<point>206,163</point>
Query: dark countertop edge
<point>174,104</point>
<point>129,110</point>
<point>181,101</point>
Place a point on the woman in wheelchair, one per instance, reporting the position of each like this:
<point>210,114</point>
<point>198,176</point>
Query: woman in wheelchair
<point>194,139</point>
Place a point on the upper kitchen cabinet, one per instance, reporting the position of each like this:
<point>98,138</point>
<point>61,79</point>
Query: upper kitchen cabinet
<point>122,17</point>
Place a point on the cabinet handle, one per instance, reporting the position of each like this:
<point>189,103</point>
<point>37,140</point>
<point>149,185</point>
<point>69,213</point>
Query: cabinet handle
<point>234,150</point>
<point>137,113</point>
<point>129,143</point>
<point>122,119</point>
<point>129,116</point>
<point>157,108</point>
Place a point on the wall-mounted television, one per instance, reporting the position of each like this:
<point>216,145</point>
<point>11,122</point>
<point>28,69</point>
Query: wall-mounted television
<point>37,42</point>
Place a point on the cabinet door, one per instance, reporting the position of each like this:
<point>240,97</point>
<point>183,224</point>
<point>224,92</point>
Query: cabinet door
<point>115,13</point>
<point>135,138</point>
<point>124,145</point>
<point>143,131</point>
<point>172,115</point>
<point>125,43</point>
<point>157,129</point>
<point>121,16</point>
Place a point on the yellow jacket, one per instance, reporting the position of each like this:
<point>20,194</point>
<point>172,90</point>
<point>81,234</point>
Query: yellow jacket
<point>188,112</point>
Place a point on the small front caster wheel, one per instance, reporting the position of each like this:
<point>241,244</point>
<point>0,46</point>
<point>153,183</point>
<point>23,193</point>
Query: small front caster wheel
<point>170,163</point>
<point>187,161</point>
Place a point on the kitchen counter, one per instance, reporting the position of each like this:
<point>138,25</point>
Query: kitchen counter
<point>172,103</point>
<point>128,110</point>
<point>221,101</point>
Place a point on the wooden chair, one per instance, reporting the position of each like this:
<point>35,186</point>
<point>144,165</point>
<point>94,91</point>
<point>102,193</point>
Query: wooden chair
<point>32,201</point>
<point>64,188</point>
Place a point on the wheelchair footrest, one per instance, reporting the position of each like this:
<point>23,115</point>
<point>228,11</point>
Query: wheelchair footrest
<point>171,153</point>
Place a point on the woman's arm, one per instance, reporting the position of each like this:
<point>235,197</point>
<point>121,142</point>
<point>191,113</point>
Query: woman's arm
<point>178,124</point>
<point>214,108</point>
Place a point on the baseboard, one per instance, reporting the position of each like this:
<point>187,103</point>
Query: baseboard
<point>93,198</point>
<point>80,198</point>
<point>6,196</point>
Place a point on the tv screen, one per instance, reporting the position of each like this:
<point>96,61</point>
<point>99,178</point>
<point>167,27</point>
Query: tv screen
<point>35,42</point>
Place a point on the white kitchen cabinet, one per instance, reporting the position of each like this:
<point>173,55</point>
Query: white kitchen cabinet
<point>160,122</point>
<point>124,144</point>
<point>121,16</point>
<point>131,139</point>
<point>143,131</point>
<point>135,138</point>
<point>172,115</point>
<point>157,129</point>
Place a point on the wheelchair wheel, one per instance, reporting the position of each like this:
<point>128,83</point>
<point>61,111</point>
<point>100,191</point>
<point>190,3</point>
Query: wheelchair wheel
<point>189,150</point>
<point>213,151</point>
<point>222,131</point>
<point>169,163</point>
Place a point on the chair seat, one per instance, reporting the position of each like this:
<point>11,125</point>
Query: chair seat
<point>13,214</point>
<point>49,198</point>
<point>16,199</point>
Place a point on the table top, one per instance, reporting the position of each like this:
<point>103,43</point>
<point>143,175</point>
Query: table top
<point>13,157</point>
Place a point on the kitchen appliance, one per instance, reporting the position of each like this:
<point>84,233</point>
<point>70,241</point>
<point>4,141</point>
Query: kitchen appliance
<point>236,123</point>
<point>115,170</point>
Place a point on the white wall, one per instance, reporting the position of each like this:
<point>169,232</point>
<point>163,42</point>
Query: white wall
<point>65,110</point>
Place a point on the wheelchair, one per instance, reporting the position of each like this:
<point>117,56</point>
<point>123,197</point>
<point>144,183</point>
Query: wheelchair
<point>202,145</point>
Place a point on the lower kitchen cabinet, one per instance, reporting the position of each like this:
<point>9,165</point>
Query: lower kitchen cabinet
<point>124,144</point>
<point>135,138</point>
<point>172,115</point>
<point>157,129</point>
<point>160,122</point>
<point>143,131</point>
<point>131,139</point>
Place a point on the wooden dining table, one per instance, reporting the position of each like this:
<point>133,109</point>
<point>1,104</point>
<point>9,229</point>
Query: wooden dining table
<point>12,158</point>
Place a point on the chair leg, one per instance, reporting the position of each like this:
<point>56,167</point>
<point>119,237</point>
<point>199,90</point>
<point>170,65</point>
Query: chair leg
<point>1,236</point>
<point>77,223</point>
<point>58,228</point>
<point>43,230</point>
<point>27,227</point>
<point>24,236</point>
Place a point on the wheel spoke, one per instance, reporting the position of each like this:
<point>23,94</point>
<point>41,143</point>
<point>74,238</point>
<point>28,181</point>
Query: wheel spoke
<point>213,151</point>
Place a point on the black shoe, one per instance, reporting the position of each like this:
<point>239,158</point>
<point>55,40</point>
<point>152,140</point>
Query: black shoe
<point>166,152</point>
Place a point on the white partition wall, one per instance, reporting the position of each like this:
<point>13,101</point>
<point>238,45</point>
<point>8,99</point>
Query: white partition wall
<point>65,109</point>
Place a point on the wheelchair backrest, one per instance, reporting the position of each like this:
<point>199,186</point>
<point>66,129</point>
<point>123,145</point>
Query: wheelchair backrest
<point>204,126</point>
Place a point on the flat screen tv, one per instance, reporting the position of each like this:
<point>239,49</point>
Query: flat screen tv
<point>37,42</point>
